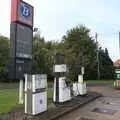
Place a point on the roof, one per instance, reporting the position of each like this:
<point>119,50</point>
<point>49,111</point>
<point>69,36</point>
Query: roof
<point>117,63</point>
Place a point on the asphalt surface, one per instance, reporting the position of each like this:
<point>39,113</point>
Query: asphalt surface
<point>106,107</point>
<point>17,86</point>
<point>100,85</point>
<point>9,87</point>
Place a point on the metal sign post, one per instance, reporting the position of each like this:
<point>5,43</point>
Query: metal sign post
<point>21,41</point>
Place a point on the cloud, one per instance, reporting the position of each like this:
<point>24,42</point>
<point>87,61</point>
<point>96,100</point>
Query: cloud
<point>55,17</point>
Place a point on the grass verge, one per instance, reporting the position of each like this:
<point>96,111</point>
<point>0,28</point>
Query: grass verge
<point>9,100</point>
<point>49,94</point>
<point>50,84</point>
<point>100,81</point>
<point>116,87</point>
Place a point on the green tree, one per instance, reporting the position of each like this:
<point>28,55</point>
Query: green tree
<point>83,49</point>
<point>42,60</point>
<point>4,58</point>
<point>38,57</point>
<point>106,65</point>
<point>79,48</point>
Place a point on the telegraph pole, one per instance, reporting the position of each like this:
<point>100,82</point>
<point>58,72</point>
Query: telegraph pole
<point>98,65</point>
<point>119,42</point>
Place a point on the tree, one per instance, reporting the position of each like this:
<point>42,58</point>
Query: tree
<point>38,57</point>
<point>4,58</point>
<point>42,59</point>
<point>83,49</point>
<point>106,65</point>
<point>79,49</point>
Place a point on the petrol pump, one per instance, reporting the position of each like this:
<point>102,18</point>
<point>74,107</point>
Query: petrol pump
<point>62,91</point>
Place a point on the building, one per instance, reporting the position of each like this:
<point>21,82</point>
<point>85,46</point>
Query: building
<point>116,63</point>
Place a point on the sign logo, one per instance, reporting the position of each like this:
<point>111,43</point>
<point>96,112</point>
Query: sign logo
<point>41,101</point>
<point>25,11</point>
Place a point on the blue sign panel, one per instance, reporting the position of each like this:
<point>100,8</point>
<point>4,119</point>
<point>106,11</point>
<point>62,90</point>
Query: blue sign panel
<point>25,13</point>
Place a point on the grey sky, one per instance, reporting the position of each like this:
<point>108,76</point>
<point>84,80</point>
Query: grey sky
<point>55,17</point>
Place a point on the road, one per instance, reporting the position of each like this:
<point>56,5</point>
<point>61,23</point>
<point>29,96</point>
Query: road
<point>109,101</point>
<point>3,86</point>
<point>17,86</point>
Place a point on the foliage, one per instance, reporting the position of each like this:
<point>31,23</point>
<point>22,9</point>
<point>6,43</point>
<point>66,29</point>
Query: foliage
<point>4,58</point>
<point>77,45</point>
<point>83,50</point>
<point>42,63</point>
<point>106,65</point>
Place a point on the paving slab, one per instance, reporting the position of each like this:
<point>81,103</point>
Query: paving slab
<point>87,112</point>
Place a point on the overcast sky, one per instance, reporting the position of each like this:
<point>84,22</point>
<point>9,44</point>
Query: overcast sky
<point>55,17</point>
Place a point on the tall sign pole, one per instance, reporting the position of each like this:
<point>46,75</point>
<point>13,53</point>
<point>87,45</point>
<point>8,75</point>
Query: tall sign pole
<point>98,65</point>
<point>21,41</point>
<point>119,43</point>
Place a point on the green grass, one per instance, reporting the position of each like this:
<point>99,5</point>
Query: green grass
<point>8,100</point>
<point>99,81</point>
<point>49,94</point>
<point>116,87</point>
<point>50,84</point>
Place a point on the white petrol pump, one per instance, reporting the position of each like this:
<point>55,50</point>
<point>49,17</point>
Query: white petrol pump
<point>62,91</point>
<point>80,87</point>
<point>35,94</point>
